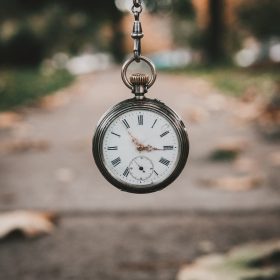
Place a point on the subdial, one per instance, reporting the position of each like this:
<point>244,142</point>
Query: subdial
<point>141,168</point>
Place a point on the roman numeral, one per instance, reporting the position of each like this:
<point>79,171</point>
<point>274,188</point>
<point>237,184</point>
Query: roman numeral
<point>116,161</point>
<point>115,134</point>
<point>126,172</point>
<point>140,120</point>
<point>164,133</point>
<point>155,172</point>
<point>126,123</point>
<point>168,147</point>
<point>154,123</point>
<point>112,148</point>
<point>164,161</point>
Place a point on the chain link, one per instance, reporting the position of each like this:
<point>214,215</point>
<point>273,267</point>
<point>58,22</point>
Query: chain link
<point>137,33</point>
<point>137,3</point>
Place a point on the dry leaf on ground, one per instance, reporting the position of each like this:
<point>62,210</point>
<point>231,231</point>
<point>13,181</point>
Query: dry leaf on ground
<point>20,146</point>
<point>245,164</point>
<point>275,159</point>
<point>217,102</point>
<point>64,175</point>
<point>53,101</point>
<point>30,223</point>
<point>206,246</point>
<point>234,183</point>
<point>247,112</point>
<point>235,265</point>
<point>269,119</point>
<point>9,119</point>
<point>197,115</point>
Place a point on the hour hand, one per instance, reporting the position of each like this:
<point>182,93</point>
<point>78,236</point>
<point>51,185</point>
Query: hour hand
<point>148,148</point>
<point>135,140</point>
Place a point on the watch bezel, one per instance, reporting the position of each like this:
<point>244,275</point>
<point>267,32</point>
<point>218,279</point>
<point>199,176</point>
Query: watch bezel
<point>130,105</point>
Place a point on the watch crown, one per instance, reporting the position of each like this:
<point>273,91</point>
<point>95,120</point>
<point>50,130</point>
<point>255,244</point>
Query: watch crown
<point>139,79</point>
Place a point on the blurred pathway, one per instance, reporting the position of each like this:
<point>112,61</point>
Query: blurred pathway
<point>46,159</point>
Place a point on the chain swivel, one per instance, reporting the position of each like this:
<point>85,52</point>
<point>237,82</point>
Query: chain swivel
<point>137,33</point>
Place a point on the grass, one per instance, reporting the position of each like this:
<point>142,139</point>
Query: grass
<point>21,87</point>
<point>235,81</point>
<point>223,155</point>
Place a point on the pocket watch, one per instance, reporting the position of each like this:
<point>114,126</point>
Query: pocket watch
<point>140,145</point>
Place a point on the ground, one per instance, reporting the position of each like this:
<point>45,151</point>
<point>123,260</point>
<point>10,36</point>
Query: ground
<point>103,233</point>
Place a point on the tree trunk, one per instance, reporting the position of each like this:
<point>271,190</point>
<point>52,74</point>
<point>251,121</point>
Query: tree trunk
<point>215,33</point>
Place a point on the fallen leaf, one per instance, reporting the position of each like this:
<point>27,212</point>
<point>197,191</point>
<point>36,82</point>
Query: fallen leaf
<point>234,265</point>
<point>197,115</point>
<point>9,119</point>
<point>247,112</point>
<point>250,95</point>
<point>206,246</point>
<point>20,146</point>
<point>269,119</point>
<point>29,223</point>
<point>65,175</point>
<point>234,183</point>
<point>216,102</point>
<point>245,164</point>
<point>53,101</point>
<point>275,159</point>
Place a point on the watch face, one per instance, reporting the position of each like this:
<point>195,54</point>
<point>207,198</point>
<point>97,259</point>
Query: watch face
<point>139,149</point>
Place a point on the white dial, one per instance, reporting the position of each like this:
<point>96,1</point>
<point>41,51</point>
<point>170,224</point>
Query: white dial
<point>140,148</point>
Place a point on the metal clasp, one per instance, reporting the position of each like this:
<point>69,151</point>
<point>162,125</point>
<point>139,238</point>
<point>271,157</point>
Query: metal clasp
<point>137,33</point>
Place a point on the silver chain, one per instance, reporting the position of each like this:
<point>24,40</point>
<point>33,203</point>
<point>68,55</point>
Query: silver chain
<point>137,33</point>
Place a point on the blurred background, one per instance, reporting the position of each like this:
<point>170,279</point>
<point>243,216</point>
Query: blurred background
<point>218,63</point>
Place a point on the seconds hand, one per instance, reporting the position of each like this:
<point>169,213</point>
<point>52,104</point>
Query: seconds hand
<point>140,167</point>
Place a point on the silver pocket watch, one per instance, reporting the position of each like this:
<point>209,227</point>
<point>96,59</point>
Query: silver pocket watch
<point>140,145</point>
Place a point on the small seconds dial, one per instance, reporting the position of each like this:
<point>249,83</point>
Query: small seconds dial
<point>140,148</point>
<point>141,168</point>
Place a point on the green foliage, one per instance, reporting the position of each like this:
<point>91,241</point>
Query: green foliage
<point>236,82</point>
<point>24,86</point>
<point>181,8</point>
<point>223,155</point>
<point>24,48</point>
<point>42,28</point>
<point>262,18</point>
